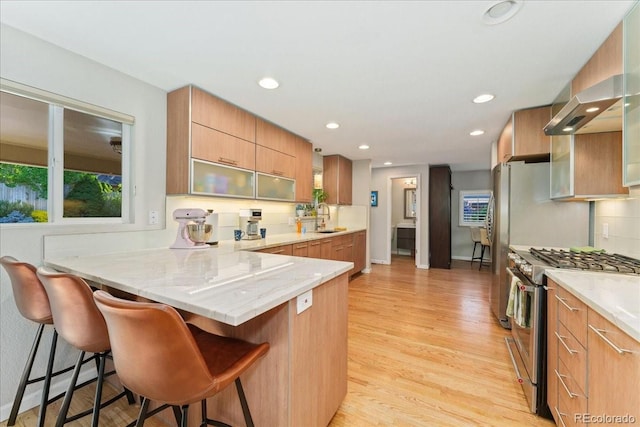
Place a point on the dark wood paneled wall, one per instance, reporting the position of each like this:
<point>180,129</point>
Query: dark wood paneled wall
<point>440,217</point>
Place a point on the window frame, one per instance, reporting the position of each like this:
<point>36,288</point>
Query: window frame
<point>55,156</point>
<point>466,194</point>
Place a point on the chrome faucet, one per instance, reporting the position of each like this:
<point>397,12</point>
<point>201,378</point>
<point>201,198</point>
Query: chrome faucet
<point>327,214</point>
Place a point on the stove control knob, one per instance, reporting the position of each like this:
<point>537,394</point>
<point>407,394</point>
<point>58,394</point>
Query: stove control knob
<point>527,269</point>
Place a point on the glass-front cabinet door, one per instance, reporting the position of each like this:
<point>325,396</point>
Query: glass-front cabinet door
<point>562,166</point>
<point>211,179</point>
<point>631,133</point>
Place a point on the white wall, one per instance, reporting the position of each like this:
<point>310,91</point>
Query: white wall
<point>461,244</point>
<point>623,219</point>
<point>36,63</point>
<point>380,229</point>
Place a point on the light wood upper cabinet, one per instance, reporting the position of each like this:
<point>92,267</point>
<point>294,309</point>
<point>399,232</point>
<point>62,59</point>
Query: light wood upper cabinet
<point>587,166</point>
<point>631,103</point>
<point>274,162</point>
<point>523,136</point>
<point>605,62</point>
<point>216,113</point>
<point>215,146</point>
<point>304,168</point>
<point>274,137</point>
<point>505,142</point>
<point>204,132</point>
<point>337,179</point>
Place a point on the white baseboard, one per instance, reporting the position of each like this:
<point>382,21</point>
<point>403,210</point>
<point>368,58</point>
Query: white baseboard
<point>379,261</point>
<point>423,266</point>
<point>366,271</point>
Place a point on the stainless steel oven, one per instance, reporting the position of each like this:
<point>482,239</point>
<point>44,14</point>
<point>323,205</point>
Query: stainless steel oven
<point>526,344</point>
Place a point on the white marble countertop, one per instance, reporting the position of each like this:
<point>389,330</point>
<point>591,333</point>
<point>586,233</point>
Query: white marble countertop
<point>614,296</point>
<point>225,283</point>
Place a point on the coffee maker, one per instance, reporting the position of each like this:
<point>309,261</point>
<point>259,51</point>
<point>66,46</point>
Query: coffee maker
<point>249,223</point>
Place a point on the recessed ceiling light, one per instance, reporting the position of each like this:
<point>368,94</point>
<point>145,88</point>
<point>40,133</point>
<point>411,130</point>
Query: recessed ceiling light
<point>476,132</point>
<point>363,147</point>
<point>268,83</point>
<point>501,11</point>
<point>485,97</point>
<point>592,109</point>
<point>388,163</point>
<point>567,129</point>
<point>332,125</point>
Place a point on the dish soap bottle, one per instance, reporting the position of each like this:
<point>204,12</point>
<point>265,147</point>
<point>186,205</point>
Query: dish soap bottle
<point>298,225</point>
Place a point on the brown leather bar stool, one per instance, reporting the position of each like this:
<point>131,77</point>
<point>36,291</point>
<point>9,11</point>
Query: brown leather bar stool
<point>182,364</point>
<point>33,304</point>
<point>80,323</point>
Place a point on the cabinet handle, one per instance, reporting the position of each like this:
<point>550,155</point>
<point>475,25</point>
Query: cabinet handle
<point>227,161</point>
<point>562,300</point>
<point>564,344</point>
<point>560,377</point>
<point>560,415</point>
<point>546,288</point>
<point>278,251</point>
<point>301,247</point>
<point>600,333</point>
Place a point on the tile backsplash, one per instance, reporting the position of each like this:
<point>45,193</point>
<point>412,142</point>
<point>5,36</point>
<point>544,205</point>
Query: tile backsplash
<point>622,219</point>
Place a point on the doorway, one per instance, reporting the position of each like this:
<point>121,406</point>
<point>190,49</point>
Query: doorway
<point>404,224</point>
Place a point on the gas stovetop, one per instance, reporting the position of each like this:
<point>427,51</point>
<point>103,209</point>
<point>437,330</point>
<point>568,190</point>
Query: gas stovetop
<point>593,261</point>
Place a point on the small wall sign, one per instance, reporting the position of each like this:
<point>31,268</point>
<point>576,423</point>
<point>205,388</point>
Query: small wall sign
<point>374,198</point>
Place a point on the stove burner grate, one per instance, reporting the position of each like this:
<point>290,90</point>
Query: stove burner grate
<point>611,263</point>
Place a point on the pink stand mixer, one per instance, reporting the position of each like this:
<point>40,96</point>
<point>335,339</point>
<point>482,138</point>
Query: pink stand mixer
<point>193,232</point>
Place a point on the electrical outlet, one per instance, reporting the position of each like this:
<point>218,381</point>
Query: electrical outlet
<point>153,217</point>
<point>605,230</point>
<point>292,221</point>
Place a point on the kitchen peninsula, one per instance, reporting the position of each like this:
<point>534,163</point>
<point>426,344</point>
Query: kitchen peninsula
<point>299,305</point>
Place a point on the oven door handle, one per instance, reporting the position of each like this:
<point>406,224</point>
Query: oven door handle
<point>513,360</point>
<point>522,279</point>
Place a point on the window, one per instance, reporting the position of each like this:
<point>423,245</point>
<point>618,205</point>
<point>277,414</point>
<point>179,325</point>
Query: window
<point>473,207</point>
<point>61,160</point>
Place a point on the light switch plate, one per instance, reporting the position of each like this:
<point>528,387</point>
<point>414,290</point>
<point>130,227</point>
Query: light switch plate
<point>605,230</point>
<point>304,301</point>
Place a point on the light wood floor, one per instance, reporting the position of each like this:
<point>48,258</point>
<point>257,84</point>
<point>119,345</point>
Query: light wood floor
<point>424,350</point>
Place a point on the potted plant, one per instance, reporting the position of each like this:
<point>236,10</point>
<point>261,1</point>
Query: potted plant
<point>319,195</point>
<point>299,210</point>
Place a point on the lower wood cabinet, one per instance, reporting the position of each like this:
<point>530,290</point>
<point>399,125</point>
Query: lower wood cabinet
<point>593,367</point>
<point>613,371</point>
<point>350,247</point>
<point>280,250</point>
<point>300,249</point>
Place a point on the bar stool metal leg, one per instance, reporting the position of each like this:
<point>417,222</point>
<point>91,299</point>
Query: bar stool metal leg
<point>24,380</point>
<point>47,381</point>
<point>64,409</point>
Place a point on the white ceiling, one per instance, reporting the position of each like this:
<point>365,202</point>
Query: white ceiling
<point>398,76</point>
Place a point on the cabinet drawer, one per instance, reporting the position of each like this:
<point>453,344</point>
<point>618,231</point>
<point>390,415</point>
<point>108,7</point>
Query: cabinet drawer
<point>214,146</point>
<point>572,313</point>
<point>570,405</point>
<point>573,356</point>
<point>279,250</point>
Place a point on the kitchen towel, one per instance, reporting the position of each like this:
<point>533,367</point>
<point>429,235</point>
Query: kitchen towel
<point>519,304</point>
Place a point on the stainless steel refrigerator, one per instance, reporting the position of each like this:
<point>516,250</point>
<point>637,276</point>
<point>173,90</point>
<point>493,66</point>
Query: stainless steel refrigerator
<point>523,214</point>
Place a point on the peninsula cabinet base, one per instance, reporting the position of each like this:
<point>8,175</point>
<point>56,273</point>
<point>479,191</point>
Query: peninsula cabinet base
<point>302,380</point>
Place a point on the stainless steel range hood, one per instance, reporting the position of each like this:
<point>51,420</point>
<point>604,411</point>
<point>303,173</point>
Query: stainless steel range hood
<point>596,109</point>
